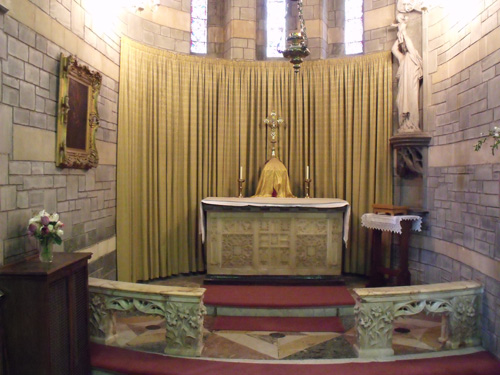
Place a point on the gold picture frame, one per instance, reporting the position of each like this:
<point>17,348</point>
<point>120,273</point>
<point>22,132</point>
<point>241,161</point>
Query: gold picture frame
<point>77,115</point>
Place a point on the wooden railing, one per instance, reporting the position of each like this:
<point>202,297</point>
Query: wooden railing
<point>377,308</point>
<point>182,309</point>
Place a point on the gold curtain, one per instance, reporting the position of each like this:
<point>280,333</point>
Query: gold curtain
<point>187,123</point>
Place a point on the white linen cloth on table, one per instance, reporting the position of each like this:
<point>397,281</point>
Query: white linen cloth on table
<point>390,223</point>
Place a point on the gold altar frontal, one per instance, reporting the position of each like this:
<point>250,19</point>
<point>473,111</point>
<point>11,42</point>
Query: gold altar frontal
<point>274,236</point>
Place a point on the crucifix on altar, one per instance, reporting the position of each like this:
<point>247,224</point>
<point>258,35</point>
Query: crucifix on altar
<point>274,180</point>
<point>273,122</point>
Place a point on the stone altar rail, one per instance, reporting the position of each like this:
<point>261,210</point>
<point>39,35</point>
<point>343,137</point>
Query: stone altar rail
<point>377,308</point>
<point>181,307</point>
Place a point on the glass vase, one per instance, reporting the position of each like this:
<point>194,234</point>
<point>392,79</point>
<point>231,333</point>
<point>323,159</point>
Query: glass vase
<point>46,255</point>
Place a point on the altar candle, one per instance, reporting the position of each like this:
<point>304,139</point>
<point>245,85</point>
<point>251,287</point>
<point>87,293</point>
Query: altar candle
<point>307,172</point>
<point>241,172</point>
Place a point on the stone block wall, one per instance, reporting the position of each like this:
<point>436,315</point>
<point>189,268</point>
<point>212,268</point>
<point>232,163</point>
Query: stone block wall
<point>240,29</point>
<point>335,24</point>
<point>168,28</point>
<point>462,187</point>
<point>316,21</point>
<point>379,35</point>
<point>215,15</point>
<point>30,48</point>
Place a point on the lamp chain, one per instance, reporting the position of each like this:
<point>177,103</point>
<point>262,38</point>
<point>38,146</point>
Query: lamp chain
<point>302,22</point>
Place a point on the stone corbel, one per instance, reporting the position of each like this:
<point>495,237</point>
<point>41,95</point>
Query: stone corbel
<point>3,9</point>
<point>409,152</point>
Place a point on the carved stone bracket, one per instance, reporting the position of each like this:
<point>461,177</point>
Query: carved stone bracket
<point>183,314</point>
<point>374,328</point>
<point>184,328</point>
<point>102,320</point>
<point>409,148</point>
<point>376,309</point>
<point>464,321</point>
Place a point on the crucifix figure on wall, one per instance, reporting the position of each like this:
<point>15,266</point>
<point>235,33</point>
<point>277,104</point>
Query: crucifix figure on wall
<point>273,122</point>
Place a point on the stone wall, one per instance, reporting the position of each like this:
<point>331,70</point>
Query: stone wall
<point>168,28</point>
<point>335,24</point>
<point>32,37</point>
<point>215,31</point>
<point>379,35</point>
<point>316,21</point>
<point>240,29</point>
<point>462,187</point>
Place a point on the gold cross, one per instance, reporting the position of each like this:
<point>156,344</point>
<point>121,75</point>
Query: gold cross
<point>274,123</point>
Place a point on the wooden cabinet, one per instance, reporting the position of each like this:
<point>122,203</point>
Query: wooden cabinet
<point>45,311</point>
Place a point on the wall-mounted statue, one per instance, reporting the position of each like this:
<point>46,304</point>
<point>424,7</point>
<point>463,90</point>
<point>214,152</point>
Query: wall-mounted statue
<point>409,75</point>
<point>409,139</point>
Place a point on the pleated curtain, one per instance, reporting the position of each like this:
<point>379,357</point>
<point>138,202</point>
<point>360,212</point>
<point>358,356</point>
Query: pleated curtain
<point>186,124</point>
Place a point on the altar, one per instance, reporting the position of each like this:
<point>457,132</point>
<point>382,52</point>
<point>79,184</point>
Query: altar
<point>274,236</point>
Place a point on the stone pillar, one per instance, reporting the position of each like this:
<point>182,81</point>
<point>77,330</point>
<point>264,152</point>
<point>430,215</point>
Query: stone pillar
<point>316,19</point>
<point>215,28</point>
<point>335,23</point>
<point>261,40</point>
<point>240,26</point>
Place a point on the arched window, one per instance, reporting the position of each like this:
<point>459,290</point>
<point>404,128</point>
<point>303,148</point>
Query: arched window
<point>353,31</point>
<point>199,26</point>
<point>276,27</point>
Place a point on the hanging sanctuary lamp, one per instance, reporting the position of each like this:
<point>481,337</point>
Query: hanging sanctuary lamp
<point>297,49</point>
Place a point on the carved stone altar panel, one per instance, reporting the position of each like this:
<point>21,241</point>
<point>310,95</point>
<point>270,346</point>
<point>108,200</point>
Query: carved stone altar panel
<point>311,250</point>
<point>274,243</point>
<point>237,250</point>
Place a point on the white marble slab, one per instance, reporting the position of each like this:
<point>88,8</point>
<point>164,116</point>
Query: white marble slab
<point>417,289</point>
<point>146,288</point>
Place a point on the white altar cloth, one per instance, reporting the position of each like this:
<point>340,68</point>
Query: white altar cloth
<point>277,202</point>
<point>390,223</point>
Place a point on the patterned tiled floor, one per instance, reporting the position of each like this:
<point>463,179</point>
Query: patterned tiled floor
<point>417,334</point>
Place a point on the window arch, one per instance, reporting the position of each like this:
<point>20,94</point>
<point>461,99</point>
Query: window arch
<point>276,27</point>
<point>353,30</point>
<point>199,26</point>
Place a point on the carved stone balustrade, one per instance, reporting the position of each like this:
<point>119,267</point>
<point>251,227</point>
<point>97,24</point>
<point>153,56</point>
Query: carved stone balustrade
<point>377,308</point>
<point>182,309</point>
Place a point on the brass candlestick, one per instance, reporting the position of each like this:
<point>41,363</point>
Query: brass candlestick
<point>307,185</point>
<point>240,183</point>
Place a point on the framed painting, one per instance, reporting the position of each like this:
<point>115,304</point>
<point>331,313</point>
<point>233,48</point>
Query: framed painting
<point>77,115</point>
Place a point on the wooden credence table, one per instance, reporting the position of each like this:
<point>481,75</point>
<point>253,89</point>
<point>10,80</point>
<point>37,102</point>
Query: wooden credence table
<point>391,219</point>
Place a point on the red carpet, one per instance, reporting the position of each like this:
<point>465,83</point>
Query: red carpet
<point>128,362</point>
<point>278,324</point>
<point>277,296</point>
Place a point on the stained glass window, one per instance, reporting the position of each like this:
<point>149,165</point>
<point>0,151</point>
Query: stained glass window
<point>199,26</point>
<point>353,33</point>
<point>276,27</point>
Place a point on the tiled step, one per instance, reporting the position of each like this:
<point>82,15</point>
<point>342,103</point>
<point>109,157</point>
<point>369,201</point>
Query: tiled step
<point>293,312</point>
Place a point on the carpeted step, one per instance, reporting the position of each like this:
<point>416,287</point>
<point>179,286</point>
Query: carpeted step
<point>260,296</point>
<point>277,324</point>
<point>130,362</point>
